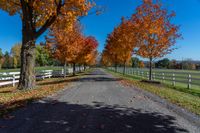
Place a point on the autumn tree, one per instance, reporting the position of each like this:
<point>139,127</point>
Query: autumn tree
<point>105,57</point>
<point>120,44</point>
<point>141,64</point>
<point>37,16</point>
<point>89,52</point>
<point>157,34</point>
<point>66,44</point>
<point>15,52</point>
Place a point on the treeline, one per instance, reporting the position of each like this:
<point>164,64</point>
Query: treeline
<point>187,64</point>
<point>166,63</point>
<point>12,58</point>
<point>148,33</point>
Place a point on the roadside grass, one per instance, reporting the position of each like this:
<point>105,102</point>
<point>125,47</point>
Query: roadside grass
<point>11,98</point>
<point>195,90</point>
<point>176,96</point>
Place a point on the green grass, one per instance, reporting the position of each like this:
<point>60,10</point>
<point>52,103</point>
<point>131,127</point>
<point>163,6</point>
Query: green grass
<point>181,77</point>
<point>188,99</point>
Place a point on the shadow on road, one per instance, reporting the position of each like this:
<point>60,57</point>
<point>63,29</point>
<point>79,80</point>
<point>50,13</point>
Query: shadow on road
<point>60,117</point>
<point>83,79</point>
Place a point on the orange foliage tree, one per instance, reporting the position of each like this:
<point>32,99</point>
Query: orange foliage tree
<point>67,44</point>
<point>119,45</point>
<point>37,16</point>
<point>89,53</point>
<point>157,34</point>
<point>141,64</point>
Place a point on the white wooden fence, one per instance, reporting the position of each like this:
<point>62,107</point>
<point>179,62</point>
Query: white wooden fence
<point>186,78</point>
<point>11,78</point>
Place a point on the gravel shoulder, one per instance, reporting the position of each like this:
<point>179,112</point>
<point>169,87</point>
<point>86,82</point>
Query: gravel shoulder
<point>97,103</point>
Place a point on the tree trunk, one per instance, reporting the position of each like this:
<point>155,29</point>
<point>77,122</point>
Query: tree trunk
<point>74,69</point>
<point>79,68</point>
<point>84,67</point>
<point>65,69</point>
<point>27,72</point>
<point>124,70</point>
<point>29,35</point>
<point>150,68</point>
<point>115,67</point>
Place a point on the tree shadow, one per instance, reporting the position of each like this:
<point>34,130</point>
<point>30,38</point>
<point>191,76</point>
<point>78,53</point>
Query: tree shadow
<point>82,79</point>
<point>91,74</point>
<point>51,116</point>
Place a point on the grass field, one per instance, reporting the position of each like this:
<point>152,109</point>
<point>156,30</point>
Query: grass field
<point>188,99</point>
<point>181,77</point>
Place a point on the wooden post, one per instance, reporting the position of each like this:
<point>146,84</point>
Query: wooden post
<point>154,76</point>
<point>43,72</point>
<point>163,77</point>
<point>13,80</point>
<point>62,72</point>
<point>189,81</point>
<point>50,74</point>
<point>174,80</point>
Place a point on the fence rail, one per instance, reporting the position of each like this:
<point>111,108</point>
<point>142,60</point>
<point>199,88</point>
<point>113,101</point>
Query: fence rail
<point>186,78</point>
<point>11,78</point>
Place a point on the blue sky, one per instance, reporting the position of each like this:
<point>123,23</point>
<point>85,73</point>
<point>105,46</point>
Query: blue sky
<point>188,17</point>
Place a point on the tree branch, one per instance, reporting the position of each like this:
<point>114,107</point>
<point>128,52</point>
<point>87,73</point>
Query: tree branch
<point>50,21</point>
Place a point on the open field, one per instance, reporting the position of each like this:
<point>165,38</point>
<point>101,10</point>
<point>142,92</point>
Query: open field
<point>174,78</point>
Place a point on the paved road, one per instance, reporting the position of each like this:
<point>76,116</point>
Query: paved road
<point>97,103</point>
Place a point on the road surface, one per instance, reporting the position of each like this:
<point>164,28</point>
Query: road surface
<point>96,103</point>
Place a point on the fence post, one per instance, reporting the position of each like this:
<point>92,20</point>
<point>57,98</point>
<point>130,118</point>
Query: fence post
<point>62,72</point>
<point>43,75</point>
<point>174,80</point>
<point>163,77</point>
<point>154,76</point>
<point>50,73</point>
<point>189,81</point>
<point>13,80</point>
